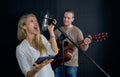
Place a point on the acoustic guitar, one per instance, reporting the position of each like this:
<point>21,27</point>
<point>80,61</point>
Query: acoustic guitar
<point>68,49</point>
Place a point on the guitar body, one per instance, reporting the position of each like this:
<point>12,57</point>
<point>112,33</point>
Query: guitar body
<point>59,57</point>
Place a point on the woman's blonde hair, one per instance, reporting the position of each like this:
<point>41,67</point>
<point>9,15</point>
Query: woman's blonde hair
<point>21,34</point>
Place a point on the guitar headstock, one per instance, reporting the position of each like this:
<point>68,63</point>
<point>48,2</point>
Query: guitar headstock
<point>100,36</point>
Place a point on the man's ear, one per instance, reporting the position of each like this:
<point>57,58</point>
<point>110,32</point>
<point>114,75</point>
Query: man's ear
<point>73,19</point>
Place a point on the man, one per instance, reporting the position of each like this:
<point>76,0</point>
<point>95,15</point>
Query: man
<point>71,66</point>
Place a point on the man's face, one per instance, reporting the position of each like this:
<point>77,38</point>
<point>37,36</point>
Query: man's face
<point>68,18</point>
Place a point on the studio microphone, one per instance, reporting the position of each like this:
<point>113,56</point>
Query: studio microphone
<point>45,22</point>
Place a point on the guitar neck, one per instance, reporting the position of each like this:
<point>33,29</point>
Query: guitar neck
<point>96,37</point>
<point>71,45</point>
<point>80,42</point>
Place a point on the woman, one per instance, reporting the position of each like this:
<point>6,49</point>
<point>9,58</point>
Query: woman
<point>34,45</point>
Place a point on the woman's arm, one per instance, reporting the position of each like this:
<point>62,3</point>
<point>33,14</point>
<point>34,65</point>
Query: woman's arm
<point>38,67</point>
<point>52,37</point>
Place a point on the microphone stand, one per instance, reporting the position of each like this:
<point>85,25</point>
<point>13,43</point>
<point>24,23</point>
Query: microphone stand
<point>61,40</point>
<point>70,39</point>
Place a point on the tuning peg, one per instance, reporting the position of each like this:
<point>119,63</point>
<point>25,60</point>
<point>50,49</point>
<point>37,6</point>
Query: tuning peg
<point>97,40</point>
<point>104,38</point>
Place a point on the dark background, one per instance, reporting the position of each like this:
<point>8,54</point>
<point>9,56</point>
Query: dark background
<point>91,16</point>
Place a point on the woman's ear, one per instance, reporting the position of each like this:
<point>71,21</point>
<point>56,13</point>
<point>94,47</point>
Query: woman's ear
<point>24,27</point>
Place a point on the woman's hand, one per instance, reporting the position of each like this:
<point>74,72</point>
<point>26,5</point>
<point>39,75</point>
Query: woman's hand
<point>38,67</point>
<point>52,25</point>
<point>41,65</point>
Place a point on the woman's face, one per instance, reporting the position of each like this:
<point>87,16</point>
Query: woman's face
<point>31,25</point>
<point>68,18</point>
